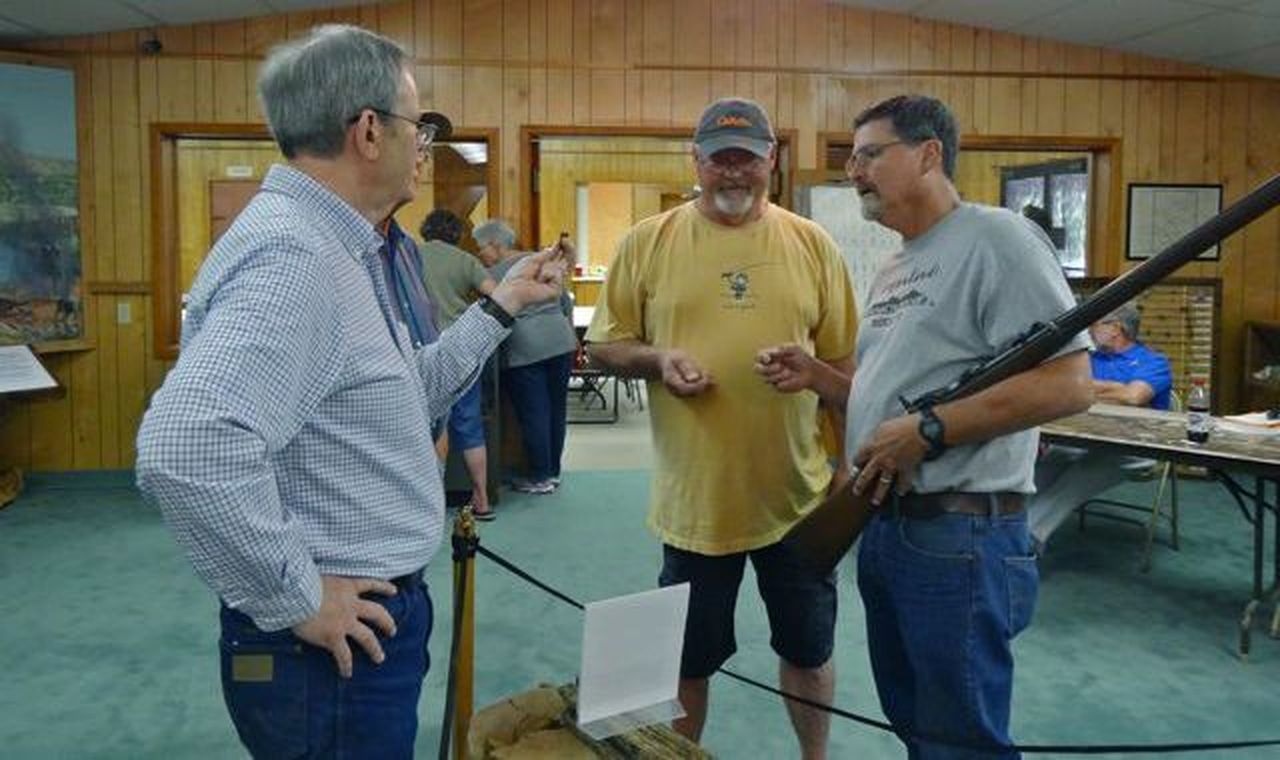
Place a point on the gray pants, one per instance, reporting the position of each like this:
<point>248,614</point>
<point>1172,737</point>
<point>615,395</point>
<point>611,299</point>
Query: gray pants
<point>1066,477</point>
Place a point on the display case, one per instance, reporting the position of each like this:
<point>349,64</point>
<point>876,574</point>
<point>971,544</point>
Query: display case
<point>1261,382</point>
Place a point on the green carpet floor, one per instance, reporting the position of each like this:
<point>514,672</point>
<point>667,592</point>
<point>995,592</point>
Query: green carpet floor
<point>107,647</point>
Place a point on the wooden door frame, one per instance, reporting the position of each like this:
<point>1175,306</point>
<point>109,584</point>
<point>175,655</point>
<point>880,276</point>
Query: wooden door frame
<point>530,134</point>
<point>164,137</point>
<point>1106,183</point>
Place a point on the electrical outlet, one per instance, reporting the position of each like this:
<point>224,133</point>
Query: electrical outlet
<point>124,315</point>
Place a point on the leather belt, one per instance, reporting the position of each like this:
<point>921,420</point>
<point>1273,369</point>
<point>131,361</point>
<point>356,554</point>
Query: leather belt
<point>925,506</point>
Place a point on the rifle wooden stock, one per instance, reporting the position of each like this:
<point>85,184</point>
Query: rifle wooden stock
<point>827,532</point>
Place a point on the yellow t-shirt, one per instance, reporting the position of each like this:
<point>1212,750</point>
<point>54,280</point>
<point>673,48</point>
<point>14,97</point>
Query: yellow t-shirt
<point>738,465</point>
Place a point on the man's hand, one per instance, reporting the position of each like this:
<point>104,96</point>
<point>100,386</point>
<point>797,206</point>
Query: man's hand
<point>682,375</point>
<point>788,368</point>
<point>892,454</point>
<point>540,277</point>
<point>341,616</point>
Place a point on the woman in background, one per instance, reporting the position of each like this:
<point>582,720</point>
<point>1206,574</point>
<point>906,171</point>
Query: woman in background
<point>536,359</point>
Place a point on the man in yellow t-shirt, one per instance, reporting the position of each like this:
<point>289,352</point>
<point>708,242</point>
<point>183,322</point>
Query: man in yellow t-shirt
<point>692,295</point>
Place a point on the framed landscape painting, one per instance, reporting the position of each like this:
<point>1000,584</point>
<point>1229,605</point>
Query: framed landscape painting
<point>40,264</point>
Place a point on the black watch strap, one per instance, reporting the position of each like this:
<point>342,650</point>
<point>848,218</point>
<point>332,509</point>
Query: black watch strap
<point>495,310</point>
<point>933,432</point>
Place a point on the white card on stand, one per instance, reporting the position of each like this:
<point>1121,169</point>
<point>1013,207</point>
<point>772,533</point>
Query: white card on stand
<point>20,370</point>
<point>631,648</point>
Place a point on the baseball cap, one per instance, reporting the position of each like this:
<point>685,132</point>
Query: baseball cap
<point>734,123</point>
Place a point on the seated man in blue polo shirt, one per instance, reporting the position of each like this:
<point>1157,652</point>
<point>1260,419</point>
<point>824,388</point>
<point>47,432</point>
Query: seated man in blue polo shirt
<point>1124,372</point>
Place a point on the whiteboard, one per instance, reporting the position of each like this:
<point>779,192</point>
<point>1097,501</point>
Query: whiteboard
<point>864,244</point>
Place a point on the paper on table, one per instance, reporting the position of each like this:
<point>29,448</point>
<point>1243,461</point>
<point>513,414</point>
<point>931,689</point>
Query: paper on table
<point>631,649</point>
<point>20,370</point>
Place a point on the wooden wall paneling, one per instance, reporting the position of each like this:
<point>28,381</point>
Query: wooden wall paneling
<point>982,85</point>
<point>920,43</point>
<point>52,448</point>
<point>231,101</point>
<point>657,96</point>
<point>720,35</point>
<point>446,30</point>
<point>581,96</point>
<point>691,21</point>
<point>786,33</point>
<point>537,31</point>
<point>265,32</point>
<point>205,97</point>
<point>516,31</point>
<point>582,32</point>
<point>765,91</point>
<point>858,40</point>
<point>15,433</point>
<point>515,111</point>
<point>633,102</point>
<point>298,23</point>
<point>1235,177</point>
<point>447,92</point>
<point>395,20</point>
<point>1262,152</point>
<point>482,35</point>
<point>608,96</point>
<point>481,96</point>
<point>723,84</point>
<point>690,92</point>
<point>764,33</point>
<point>561,20</point>
<point>150,96</point>
<point>962,88</point>
<point>890,41</point>
<point>86,436</point>
<point>560,87</point>
<point>422,29</point>
<point>608,33</point>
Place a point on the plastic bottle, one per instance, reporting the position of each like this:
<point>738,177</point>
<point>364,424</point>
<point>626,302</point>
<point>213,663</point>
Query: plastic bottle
<point>1198,420</point>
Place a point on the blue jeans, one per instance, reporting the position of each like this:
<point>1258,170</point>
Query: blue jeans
<point>466,420</point>
<point>539,394</point>
<point>287,700</point>
<point>944,597</point>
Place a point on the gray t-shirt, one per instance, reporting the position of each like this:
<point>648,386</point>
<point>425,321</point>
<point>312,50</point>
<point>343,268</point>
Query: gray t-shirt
<point>953,296</point>
<point>541,331</point>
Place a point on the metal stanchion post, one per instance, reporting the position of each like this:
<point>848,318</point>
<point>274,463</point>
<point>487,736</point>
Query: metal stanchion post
<point>462,659</point>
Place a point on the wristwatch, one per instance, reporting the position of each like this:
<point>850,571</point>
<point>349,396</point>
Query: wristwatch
<point>495,310</point>
<point>932,431</point>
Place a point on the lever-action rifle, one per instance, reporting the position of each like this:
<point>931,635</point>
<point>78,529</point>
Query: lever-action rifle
<point>826,533</point>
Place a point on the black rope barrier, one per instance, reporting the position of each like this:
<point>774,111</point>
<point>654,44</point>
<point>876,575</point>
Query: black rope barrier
<point>1063,749</point>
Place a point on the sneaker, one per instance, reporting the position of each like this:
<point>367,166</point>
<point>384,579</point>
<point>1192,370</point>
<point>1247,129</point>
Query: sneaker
<point>524,485</point>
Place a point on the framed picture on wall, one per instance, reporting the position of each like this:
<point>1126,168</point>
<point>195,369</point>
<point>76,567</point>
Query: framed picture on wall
<point>1159,215</point>
<point>40,266</point>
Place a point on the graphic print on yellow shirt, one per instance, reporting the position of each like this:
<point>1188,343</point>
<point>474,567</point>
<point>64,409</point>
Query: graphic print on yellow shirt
<point>737,466</point>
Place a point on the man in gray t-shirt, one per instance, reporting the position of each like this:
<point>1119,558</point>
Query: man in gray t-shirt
<point>945,568</point>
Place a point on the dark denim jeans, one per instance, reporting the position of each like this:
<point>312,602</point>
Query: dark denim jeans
<point>287,700</point>
<point>539,394</point>
<point>944,598</point>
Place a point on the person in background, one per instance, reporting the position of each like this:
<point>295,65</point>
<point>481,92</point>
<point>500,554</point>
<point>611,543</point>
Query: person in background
<point>691,296</point>
<point>454,279</point>
<point>288,447</point>
<point>536,359</point>
<point>1125,371</point>
<point>402,268</point>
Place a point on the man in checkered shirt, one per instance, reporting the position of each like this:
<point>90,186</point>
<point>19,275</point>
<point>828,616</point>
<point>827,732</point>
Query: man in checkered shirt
<point>290,447</point>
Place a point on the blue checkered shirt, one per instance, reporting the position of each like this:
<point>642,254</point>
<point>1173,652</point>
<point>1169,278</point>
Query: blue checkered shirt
<point>292,438</point>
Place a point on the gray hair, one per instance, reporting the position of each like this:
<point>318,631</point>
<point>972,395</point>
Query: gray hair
<point>495,231</point>
<point>1129,318</point>
<point>312,87</point>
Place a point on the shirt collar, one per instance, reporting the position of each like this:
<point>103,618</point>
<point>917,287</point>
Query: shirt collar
<point>352,230</point>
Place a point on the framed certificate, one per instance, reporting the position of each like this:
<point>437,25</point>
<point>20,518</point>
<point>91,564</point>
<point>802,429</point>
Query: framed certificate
<point>1159,215</point>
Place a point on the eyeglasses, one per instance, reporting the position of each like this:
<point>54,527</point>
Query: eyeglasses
<point>426,131</point>
<point>868,153</point>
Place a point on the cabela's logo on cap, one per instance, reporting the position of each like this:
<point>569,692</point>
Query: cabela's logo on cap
<point>734,120</point>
